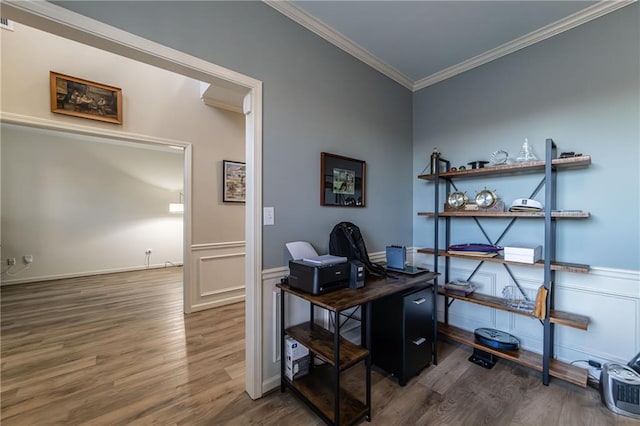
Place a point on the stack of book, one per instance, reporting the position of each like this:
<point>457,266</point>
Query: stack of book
<point>474,249</point>
<point>459,287</point>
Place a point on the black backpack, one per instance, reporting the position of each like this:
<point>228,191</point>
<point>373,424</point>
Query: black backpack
<point>346,240</point>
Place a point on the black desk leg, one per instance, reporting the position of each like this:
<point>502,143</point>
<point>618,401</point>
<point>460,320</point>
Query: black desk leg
<point>336,373</point>
<point>282,354</point>
<point>363,329</point>
<point>434,314</point>
<point>366,316</point>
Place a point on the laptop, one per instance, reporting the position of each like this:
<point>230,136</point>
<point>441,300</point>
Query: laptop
<point>396,261</point>
<point>409,270</point>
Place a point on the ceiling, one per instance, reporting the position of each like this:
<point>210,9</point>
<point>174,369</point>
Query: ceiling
<point>419,43</point>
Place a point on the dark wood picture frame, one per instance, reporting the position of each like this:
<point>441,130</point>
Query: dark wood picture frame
<point>234,189</point>
<point>86,99</point>
<point>342,181</point>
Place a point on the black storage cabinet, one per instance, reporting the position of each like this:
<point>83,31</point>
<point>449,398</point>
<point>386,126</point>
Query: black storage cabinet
<point>402,332</point>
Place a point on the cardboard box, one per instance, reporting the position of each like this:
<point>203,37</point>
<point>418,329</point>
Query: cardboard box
<point>523,253</point>
<point>296,359</point>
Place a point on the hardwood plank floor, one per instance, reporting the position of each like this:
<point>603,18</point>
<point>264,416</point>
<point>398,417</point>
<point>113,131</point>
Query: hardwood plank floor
<point>117,349</point>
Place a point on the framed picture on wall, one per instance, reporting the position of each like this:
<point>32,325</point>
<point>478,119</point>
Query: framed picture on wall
<point>233,181</point>
<point>85,99</point>
<point>342,181</point>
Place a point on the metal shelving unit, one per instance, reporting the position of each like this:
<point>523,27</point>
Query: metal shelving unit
<point>544,363</point>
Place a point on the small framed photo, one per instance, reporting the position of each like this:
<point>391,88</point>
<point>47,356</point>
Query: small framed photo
<point>342,181</point>
<point>85,99</point>
<point>233,181</point>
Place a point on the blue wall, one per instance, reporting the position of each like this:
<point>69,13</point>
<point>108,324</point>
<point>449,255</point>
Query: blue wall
<point>580,88</point>
<point>316,98</point>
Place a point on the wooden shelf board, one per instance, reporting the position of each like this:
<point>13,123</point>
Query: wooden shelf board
<point>320,341</point>
<point>567,214</point>
<point>555,266</point>
<point>317,388</point>
<point>513,169</point>
<point>557,317</point>
<point>568,319</point>
<point>558,369</point>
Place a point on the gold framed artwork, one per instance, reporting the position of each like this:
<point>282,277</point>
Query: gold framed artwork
<point>342,181</point>
<point>86,99</point>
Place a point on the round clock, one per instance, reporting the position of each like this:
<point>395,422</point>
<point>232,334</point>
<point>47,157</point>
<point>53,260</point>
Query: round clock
<point>486,198</point>
<point>457,199</point>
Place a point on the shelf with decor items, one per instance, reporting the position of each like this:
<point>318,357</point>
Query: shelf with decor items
<point>580,322</point>
<point>513,169</point>
<point>549,167</point>
<point>556,266</point>
<point>573,214</point>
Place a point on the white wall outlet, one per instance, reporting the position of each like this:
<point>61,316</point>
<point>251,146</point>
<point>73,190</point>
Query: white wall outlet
<point>148,251</point>
<point>268,216</point>
<point>27,259</point>
<point>6,24</point>
<point>11,261</point>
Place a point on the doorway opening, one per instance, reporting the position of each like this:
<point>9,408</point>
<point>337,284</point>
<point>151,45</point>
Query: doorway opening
<point>59,21</point>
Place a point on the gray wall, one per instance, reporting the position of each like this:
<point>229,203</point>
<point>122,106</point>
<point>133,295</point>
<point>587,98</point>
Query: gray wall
<point>316,98</point>
<point>580,88</point>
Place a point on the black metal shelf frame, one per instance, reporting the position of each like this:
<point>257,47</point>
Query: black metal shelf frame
<point>548,182</point>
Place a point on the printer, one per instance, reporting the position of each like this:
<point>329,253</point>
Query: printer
<point>318,278</point>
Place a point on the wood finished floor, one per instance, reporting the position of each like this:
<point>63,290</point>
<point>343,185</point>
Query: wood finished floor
<point>116,349</point>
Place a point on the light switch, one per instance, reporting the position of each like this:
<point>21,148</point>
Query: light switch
<point>269,216</point>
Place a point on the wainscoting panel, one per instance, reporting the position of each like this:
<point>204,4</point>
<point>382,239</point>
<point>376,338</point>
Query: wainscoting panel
<point>277,294</point>
<point>218,274</point>
<point>271,327</point>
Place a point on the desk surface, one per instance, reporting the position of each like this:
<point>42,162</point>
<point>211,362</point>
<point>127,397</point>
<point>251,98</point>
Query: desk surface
<point>373,289</point>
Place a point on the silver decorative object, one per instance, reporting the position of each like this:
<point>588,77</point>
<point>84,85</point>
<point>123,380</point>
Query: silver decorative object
<point>526,153</point>
<point>499,157</point>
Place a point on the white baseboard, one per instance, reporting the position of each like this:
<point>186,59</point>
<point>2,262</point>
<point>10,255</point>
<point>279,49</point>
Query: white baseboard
<point>218,303</point>
<point>85,274</point>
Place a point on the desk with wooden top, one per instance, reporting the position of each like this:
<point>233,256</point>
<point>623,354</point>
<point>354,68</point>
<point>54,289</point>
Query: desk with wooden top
<point>317,388</point>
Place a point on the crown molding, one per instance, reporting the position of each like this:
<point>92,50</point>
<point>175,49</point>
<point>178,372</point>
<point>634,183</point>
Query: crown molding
<point>565,24</point>
<point>338,39</point>
<point>314,25</point>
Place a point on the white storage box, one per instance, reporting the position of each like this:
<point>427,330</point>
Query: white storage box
<point>296,359</point>
<point>523,253</point>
